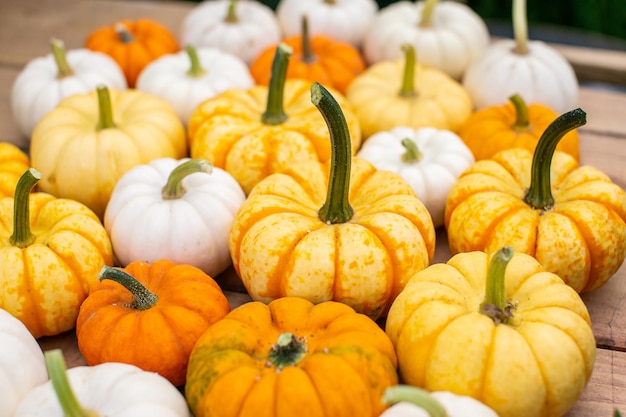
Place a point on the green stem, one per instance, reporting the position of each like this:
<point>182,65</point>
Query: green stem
<point>520,27</point>
<point>495,304</point>
<point>412,153</point>
<point>105,109</point>
<point>22,235</point>
<point>143,299</point>
<point>521,112</point>
<point>174,189</point>
<point>407,89</point>
<point>416,396</point>
<point>231,13</point>
<point>307,52</point>
<point>195,70</point>
<point>337,207</point>
<point>539,194</point>
<point>123,33</point>
<point>60,58</point>
<point>275,112</point>
<point>56,366</point>
<point>427,13</point>
<point>288,350</point>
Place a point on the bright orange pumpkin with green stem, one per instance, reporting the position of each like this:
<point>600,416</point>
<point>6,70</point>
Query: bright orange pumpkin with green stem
<point>149,315</point>
<point>51,251</point>
<point>319,58</point>
<point>513,124</point>
<point>291,357</point>
<point>13,163</point>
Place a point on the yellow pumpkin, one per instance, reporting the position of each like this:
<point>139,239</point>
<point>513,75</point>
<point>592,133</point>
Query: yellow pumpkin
<point>51,251</point>
<point>88,141</point>
<point>498,328</point>
<point>259,131</point>
<point>13,163</point>
<point>341,231</point>
<point>571,218</point>
<point>401,92</point>
<point>290,357</point>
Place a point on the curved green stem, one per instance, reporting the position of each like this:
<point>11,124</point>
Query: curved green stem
<point>307,52</point>
<point>231,13</point>
<point>336,208</point>
<point>495,304</point>
<point>539,194</point>
<point>195,69</point>
<point>288,350</point>
<point>143,299</point>
<point>57,371</point>
<point>520,27</point>
<point>22,235</point>
<point>416,396</point>
<point>105,109</point>
<point>427,13</point>
<point>521,112</point>
<point>412,153</point>
<point>407,89</point>
<point>60,58</point>
<point>123,33</point>
<point>274,111</point>
<point>174,189</point>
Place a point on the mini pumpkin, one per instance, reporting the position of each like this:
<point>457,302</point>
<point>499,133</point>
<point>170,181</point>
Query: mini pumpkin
<point>149,315</point>
<point>13,163</point>
<point>288,356</point>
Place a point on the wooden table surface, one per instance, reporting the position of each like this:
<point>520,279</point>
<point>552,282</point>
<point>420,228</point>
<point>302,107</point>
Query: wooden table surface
<point>27,25</point>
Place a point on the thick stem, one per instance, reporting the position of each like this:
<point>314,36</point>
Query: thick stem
<point>521,112</point>
<point>123,33</point>
<point>337,207</point>
<point>60,58</point>
<point>495,304</point>
<point>307,52</point>
<point>105,109</point>
<point>56,366</point>
<point>520,27</point>
<point>195,69</point>
<point>416,396</point>
<point>275,112</point>
<point>288,350</point>
<point>231,13</point>
<point>412,153</point>
<point>539,194</point>
<point>407,89</point>
<point>22,235</point>
<point>427,13</point>
<point>174,189</point>
<point>143,299</point>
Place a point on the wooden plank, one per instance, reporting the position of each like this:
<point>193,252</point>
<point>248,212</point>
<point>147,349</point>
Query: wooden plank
<point>9,131</point>
<point>605,111</point>
<point>595,65</point>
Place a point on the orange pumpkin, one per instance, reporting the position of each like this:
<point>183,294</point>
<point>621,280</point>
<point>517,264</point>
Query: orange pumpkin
<point>13,163</point>
<point>133,44</point>
<point>319,58</point>
<point>511,125</point>
<point>149,315</point>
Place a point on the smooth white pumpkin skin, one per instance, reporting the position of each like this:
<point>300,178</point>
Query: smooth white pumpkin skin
<point>110,389</point>
<point>168,78</point>
<point>342,20</point>
<point>22,364</point>
<point>37,89</point>
<point>257,28</point>
<point>454,39</point>
<point>445,157</point>
<point>455,406</point>
<point>191,230</point>
<point>541,76</point>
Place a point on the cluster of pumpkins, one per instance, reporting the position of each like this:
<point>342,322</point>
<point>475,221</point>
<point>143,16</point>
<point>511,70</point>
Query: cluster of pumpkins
<point>316,149</point>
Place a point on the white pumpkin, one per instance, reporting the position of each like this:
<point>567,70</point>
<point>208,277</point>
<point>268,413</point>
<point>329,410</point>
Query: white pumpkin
<point>533,69</point>
<point>243,28</point>
<point>107,389</point>
<point>342,20</point>
<point>45,81</point>
<point>429,159</point>
<point>22,364</point>
<point>185,217</point>
<point>189,77</point>
<point>447,36</point>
